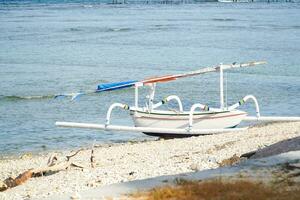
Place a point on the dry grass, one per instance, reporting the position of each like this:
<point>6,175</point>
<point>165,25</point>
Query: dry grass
<point>230,161</point>
<point>219,190</point>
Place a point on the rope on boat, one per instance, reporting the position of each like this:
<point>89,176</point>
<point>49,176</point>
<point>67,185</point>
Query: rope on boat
<point>241,102</point>
<point>205,108</point>
<point>126,107</point>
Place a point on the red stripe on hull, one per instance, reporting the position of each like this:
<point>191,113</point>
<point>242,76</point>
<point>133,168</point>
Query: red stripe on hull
<point>195,118</point>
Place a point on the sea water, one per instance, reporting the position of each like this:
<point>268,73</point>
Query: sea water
<point>53,47</point>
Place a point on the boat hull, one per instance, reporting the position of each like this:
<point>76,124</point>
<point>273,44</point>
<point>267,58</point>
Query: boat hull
<point>201,120</point>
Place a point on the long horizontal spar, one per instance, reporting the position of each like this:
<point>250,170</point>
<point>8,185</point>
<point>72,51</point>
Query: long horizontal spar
<point>165,78</point>
<point>146,129</point>
<point>272,119</point>
<point>172,131</point>
<point>201,71</point>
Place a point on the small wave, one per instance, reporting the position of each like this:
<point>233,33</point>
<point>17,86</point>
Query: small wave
<point>162,27</point>
<point>274,27</point>
<point>75,29</point>
<point>223,19</point>
<point>117,29</point>
<point>33,16</point>
<point>232,27</point>
<point>88,6</point>
<point>18,98</point>
<point>96,29</point>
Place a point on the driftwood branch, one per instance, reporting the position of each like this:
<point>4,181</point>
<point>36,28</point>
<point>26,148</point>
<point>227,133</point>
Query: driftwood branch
<point>52,160</point>
<point>13,182</point>
<point>52,167</point>
<point>23,177</point>
<point>74,154</point>
<point>92,159</point>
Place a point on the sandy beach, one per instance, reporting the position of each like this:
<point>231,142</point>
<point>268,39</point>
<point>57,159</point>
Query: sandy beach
<point>160,63</point>
<point>115,163</point>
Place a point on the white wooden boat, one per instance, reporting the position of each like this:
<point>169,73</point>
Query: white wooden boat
<point>199,119</point>
<point>180,120</point>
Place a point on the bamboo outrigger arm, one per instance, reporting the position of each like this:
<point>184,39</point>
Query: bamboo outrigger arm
<point>114,105</point>
<point>243,101</point>
<point>167,99</point>
<point>146,129</point>
<point>272,119</point>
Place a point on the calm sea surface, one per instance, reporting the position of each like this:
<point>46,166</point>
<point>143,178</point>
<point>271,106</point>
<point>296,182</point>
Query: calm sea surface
<point>50,48</point>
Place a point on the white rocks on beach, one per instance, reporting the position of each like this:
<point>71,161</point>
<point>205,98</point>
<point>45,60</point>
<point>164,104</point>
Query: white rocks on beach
<point>131,161</point>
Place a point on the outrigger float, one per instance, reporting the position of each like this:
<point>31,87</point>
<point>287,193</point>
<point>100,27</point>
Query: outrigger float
<point>178,123</point>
